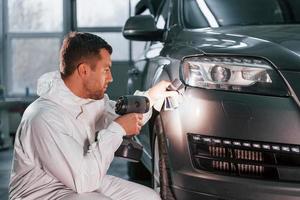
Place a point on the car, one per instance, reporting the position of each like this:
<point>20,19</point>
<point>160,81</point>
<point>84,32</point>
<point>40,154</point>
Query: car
<point>236,131</point>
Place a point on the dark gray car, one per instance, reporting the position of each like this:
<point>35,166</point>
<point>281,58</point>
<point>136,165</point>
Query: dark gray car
<point>236,133</point>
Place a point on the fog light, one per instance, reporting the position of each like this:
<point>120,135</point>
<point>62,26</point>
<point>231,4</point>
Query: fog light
<point>277,148</point>
<point>237,143</point>
<point>266,146</point>
<point>217,141</point>
<point>227,142</point>
<point>246,144</point>
<point>295,149</point>
<point>285,149</point>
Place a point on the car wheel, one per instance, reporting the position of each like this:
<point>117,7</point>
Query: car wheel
<point>161,180</point>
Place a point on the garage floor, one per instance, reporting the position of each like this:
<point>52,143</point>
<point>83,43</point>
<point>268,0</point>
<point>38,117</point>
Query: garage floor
<point>117,168</point>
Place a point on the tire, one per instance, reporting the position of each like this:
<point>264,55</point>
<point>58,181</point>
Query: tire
<point>161,180</point>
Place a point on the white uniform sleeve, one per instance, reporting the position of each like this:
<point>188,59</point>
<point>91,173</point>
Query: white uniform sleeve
<point>66,160</point>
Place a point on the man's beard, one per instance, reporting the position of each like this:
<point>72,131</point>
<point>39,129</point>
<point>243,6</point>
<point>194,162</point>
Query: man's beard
<point>93,94</point>
<point>96,95</point>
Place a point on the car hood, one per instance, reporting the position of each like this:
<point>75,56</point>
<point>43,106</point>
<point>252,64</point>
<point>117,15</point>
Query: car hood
<point>285,35</point>
<point>279,44</point>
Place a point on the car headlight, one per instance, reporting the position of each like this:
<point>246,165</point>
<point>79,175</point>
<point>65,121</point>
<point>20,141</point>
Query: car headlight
<point>233,73</point>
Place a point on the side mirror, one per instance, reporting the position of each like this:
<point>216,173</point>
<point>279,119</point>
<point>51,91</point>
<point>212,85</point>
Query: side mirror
<point>142,28</point>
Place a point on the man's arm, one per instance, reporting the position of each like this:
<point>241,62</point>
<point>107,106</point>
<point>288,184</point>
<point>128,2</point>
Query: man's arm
<point>156,96</point>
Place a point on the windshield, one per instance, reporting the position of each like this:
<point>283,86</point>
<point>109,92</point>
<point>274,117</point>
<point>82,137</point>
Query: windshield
<point>215,13</point>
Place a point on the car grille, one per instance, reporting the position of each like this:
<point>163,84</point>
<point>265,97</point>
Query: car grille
<point>242,158</point>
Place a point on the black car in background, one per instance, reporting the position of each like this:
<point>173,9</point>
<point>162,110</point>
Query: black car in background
<point>236,133</point>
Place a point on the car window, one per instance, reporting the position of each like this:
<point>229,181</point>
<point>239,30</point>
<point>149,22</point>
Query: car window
<point>236,12</point>
<point>190,14</point>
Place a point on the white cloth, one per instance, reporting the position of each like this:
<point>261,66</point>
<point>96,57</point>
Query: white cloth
<point>64,146</point>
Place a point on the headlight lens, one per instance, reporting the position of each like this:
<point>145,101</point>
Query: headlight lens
<point>252,75</point>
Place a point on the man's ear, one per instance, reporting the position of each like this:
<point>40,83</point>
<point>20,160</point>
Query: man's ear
<point>83,70</point>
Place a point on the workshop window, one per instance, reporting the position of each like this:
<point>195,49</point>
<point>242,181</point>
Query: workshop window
<point>106,19</point>
<point>34,30</point>
<point>119,43</point>
<point>30,59</point>
<point>35,15</point>
<point>95,13</point>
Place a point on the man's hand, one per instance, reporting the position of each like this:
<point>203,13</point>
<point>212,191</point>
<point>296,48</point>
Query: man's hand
<point>131,123</point>
<point>159,91</point>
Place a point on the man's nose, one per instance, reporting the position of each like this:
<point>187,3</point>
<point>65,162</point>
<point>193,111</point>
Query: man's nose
<point>110,78</point>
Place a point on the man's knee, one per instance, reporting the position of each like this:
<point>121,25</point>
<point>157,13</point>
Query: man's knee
<point>118,188</point>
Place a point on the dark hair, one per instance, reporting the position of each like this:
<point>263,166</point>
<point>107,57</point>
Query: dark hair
<point>80,47</point>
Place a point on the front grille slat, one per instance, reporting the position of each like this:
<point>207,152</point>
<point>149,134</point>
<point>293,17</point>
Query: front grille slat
<point>250,159</point>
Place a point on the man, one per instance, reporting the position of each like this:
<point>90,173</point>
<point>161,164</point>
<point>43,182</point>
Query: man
<point>67,137</point>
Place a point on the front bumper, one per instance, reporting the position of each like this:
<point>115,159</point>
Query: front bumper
<point>212,187</point>
<point>236,116</point>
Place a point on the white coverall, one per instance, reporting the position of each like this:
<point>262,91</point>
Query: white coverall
<point>59,153</point>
